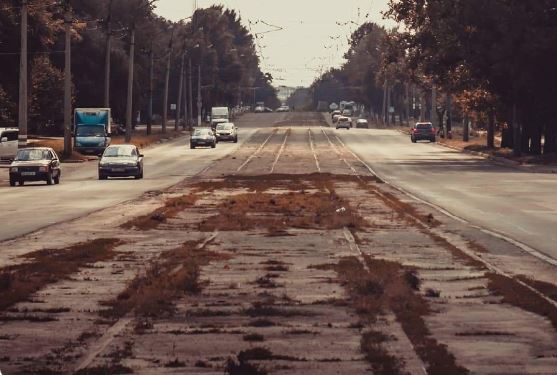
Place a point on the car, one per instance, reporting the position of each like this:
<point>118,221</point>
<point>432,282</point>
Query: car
<point>121,161</point>
<point>35,164</point>
<point>344,122</point>
<point>267,109</point>
<point>227,132</point>
<point>283,108</point>
<point>347,112</point>
<point>336,112</point>
<point>8,143</point>
<point>259,109</point>
<point>203,137</point>
<point>362,123</point>
<point>422,131</point>
<point>336,117</point>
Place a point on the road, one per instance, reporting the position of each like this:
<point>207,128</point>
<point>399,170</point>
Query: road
<point>36,205</point>
<point>518,204</point>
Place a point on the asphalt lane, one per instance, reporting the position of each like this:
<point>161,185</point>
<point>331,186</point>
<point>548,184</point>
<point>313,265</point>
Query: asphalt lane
<point>520,205</point>
<point>36,205</point>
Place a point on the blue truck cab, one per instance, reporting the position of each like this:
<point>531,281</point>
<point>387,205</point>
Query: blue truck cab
<point>92,130</point>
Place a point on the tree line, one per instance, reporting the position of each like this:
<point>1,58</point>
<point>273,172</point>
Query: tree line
<point>487,62</point>
<point>213,39</point>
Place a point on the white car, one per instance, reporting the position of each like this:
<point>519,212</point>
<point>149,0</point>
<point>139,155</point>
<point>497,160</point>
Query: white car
<point>344,122</point>
<point>362,123</point>
<point>8,143</point>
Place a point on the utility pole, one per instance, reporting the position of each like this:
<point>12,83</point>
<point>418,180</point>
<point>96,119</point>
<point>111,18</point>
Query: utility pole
<point>180,88</point>
<point>67,82</point>
<point>129,102</point>
<point>449,116</point>
<point>166,82</point>
<point>384,109</point>
<point>184,99</point>
<point>433,114</point>
<point>107,56</point>
<point>150,106</point>
<point>190,95</point>
<point>199,95</point>
<point>22,117</point>
<point>388,105</point>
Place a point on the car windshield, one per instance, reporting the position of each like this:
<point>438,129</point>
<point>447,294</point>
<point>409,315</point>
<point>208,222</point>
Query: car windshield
<point>201,132</point>
<point>30,155</point>
<point>113,152</point>
<point>224,127</point>
<point>424,126</point>
<point>90,131</point>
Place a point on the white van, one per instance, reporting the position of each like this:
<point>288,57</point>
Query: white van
<point>8,142</point>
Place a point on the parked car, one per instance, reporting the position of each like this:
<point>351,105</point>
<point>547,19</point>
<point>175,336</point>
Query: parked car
<point>227,132</point>
<point>8,143</point>
<point>203,137</point>
<point>259,109</point>
<point>267,109</point>
<point>344,122</point>
<point>121,161</point>
<point>362,123</point>
<point>422,131</point>
<point>35,164</point>
<point>336,112</point>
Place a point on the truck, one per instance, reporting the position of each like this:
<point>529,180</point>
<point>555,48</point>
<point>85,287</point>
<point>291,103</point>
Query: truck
<point>92,130</point>
<point>219,115</point>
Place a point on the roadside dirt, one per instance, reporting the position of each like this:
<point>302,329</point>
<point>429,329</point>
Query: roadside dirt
<point>315,268</point>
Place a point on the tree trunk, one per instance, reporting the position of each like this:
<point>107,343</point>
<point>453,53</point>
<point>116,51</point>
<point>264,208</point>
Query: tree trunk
<point>525,136</point>
<point>466,129</point>
<point>516,144</point>
<point>491,129</point>
<point>550,144</point>
<point>536,140</point>
<point>449,117</point>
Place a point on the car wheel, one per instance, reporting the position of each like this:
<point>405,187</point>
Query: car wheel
<point>49,179</point>
<point>102,177</point>
<point>236,140</point>
<point>214,145</point>
<point>413,140</point>
<point>21,182</point>
<point>192,146</point>
<point>432,140</point>
<point>57,178</point>
<point>12,182</point>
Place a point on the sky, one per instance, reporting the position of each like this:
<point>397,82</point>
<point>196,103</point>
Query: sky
<point>311,35</point>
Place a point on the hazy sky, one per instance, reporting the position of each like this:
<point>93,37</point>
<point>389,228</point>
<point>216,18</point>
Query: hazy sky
<point>314,33</point>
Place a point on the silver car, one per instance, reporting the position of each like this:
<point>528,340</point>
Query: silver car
<point>344,122</point>
<point>121,161</point>
<point>226,132</point>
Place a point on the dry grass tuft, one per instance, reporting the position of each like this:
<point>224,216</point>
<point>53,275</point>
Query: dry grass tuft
<point>19,282</point>
<point>171,208</point>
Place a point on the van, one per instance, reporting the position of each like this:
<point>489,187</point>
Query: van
<point>8,142</point>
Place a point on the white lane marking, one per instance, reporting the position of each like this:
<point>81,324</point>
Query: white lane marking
<point>524,247</point>
<point>256,151</point>
<point>280,150</point>
<point>313,150</point>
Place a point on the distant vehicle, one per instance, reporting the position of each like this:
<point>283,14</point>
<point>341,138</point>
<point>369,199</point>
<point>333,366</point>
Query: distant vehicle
<point>421,131</point>
<point>336,117</point>
<point>227,132</point>
<point>203,137</point>
<point>344,122</point>
<point>35,164</point>
<point>347,105</point>
<point>283,108</point>
<point>121,161</point>
<point>259,109</point>
<point>336,112</point>
<point>267,109</point>
<point>8,143</point>
<point>347,112</point>
<point>92,130</point>
<point>362,123</point>
<point>219,115</point>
